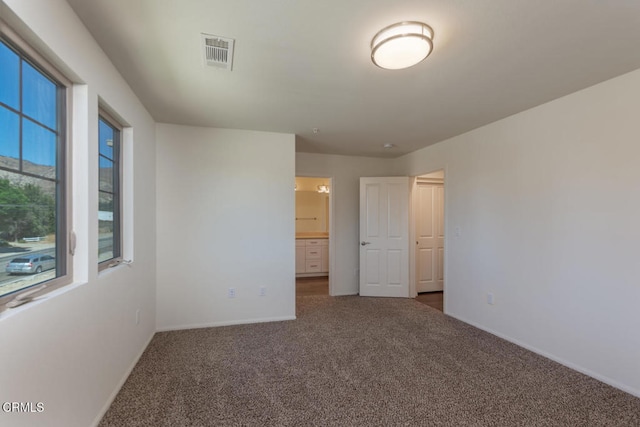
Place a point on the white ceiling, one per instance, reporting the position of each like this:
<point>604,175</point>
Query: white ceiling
<point>303,64</point>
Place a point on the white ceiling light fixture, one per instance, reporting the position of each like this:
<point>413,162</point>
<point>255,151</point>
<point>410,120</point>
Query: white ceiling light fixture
<point>402,45</point>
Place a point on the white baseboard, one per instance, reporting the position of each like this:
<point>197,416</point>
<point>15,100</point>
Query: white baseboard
<point>115,392</point>
<point>225,323</point>
<point>568,364</point>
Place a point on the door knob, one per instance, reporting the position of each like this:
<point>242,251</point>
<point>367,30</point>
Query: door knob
<point>364,243</point>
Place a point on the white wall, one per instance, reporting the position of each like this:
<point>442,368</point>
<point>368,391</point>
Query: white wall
<point>73,349</point>
<point>344,240</point>
<point>226,206</point>
<point>548,205</point>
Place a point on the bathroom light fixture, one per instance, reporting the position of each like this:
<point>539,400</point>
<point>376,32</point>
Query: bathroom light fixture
<point>323,188</point>
<point>402,45</point>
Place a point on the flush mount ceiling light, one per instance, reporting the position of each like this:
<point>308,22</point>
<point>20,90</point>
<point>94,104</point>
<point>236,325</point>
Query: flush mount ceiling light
<point>402,45</point>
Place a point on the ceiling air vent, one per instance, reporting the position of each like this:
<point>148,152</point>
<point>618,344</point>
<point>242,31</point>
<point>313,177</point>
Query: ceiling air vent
<point>218,51</point>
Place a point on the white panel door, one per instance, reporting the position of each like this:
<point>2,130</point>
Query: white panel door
<point>384,237</point>
<point>429,237</point>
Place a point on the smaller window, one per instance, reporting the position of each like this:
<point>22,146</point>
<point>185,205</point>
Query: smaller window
<point>109,192</point>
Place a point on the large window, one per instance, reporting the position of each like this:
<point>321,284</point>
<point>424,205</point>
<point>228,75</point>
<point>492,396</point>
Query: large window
<point>33,214</point>
<point>109,197</point>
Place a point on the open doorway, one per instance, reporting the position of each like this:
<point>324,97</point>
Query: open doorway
<point>429,253</point>
<point>313,209</point>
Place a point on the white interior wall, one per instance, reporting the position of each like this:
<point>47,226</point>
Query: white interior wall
<point>344,240</point>
<point>547,206</point>
<point>226,219</point>
<point>73,349</point>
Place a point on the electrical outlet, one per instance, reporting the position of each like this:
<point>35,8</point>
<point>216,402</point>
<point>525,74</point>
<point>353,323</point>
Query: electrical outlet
<point>263,291</point>
<point>232,293</point>
<point>490,298</point>
<point>137,316</point>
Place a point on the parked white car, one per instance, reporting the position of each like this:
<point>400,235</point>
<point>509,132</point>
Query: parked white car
<point>32,263</point>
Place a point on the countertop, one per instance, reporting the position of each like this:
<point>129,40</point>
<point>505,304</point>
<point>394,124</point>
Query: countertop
<point>312,235</point>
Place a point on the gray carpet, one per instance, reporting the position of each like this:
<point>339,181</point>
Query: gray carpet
<point>352,361</point>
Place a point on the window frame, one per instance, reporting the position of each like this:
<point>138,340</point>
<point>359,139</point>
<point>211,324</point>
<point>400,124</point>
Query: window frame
<point>64,96</point>
<point>108,118</point>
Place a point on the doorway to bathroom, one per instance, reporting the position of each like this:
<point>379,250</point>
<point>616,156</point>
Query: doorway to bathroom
<point>313,208</point>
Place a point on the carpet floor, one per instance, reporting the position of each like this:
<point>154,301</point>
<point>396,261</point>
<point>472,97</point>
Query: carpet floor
<point>352,361</point>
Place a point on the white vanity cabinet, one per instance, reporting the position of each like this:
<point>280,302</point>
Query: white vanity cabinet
<point>312,257</point>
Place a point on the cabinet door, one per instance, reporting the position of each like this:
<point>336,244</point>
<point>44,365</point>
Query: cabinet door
<point>301,263</point>
<point>325,259</point>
